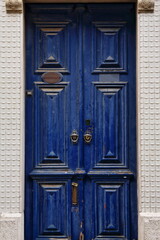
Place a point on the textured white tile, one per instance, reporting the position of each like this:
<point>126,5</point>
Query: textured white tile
<point>149,89</point>
<point>10,109</point>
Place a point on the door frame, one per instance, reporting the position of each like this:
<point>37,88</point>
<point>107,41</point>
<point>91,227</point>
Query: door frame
<point>21,231</point>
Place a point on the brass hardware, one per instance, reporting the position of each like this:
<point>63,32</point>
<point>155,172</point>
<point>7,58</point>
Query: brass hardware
<point>51,77</point>
<point>87,137</point>
<point>74,193</point>
<point>74,136</point>
<point>81,236</point>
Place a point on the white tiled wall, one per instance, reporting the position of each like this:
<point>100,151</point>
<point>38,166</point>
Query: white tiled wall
<point>149,124</point>
<point>149,90</point>
<point>12,124</point>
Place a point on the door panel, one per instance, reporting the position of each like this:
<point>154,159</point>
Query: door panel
<point>50,209</point>
<point>112,58</point>
<point>111,208</point>
<point>50,124</point>
<point>52,46</point>
<point>84,190</point>
<point>110,113</point>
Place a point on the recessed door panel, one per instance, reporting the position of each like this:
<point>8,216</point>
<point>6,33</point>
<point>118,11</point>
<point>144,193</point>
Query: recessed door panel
<point>80,129</point>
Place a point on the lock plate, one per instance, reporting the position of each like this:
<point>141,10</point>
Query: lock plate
<point>74,193</point>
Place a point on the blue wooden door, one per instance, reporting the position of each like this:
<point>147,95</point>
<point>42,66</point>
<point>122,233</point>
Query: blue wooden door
<point>81,131</point>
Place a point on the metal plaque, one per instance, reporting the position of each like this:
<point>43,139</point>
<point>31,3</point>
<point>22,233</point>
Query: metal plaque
<point>52,77</point>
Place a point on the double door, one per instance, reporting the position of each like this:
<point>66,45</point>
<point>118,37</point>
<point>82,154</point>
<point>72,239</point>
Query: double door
<point>81,128</point>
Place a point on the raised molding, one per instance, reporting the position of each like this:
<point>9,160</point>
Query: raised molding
<point>14,6</point>
<point>145,6</point>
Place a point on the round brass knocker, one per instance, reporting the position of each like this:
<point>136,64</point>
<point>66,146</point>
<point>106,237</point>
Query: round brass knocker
<point>74,136</point>
<point>87,137</point>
